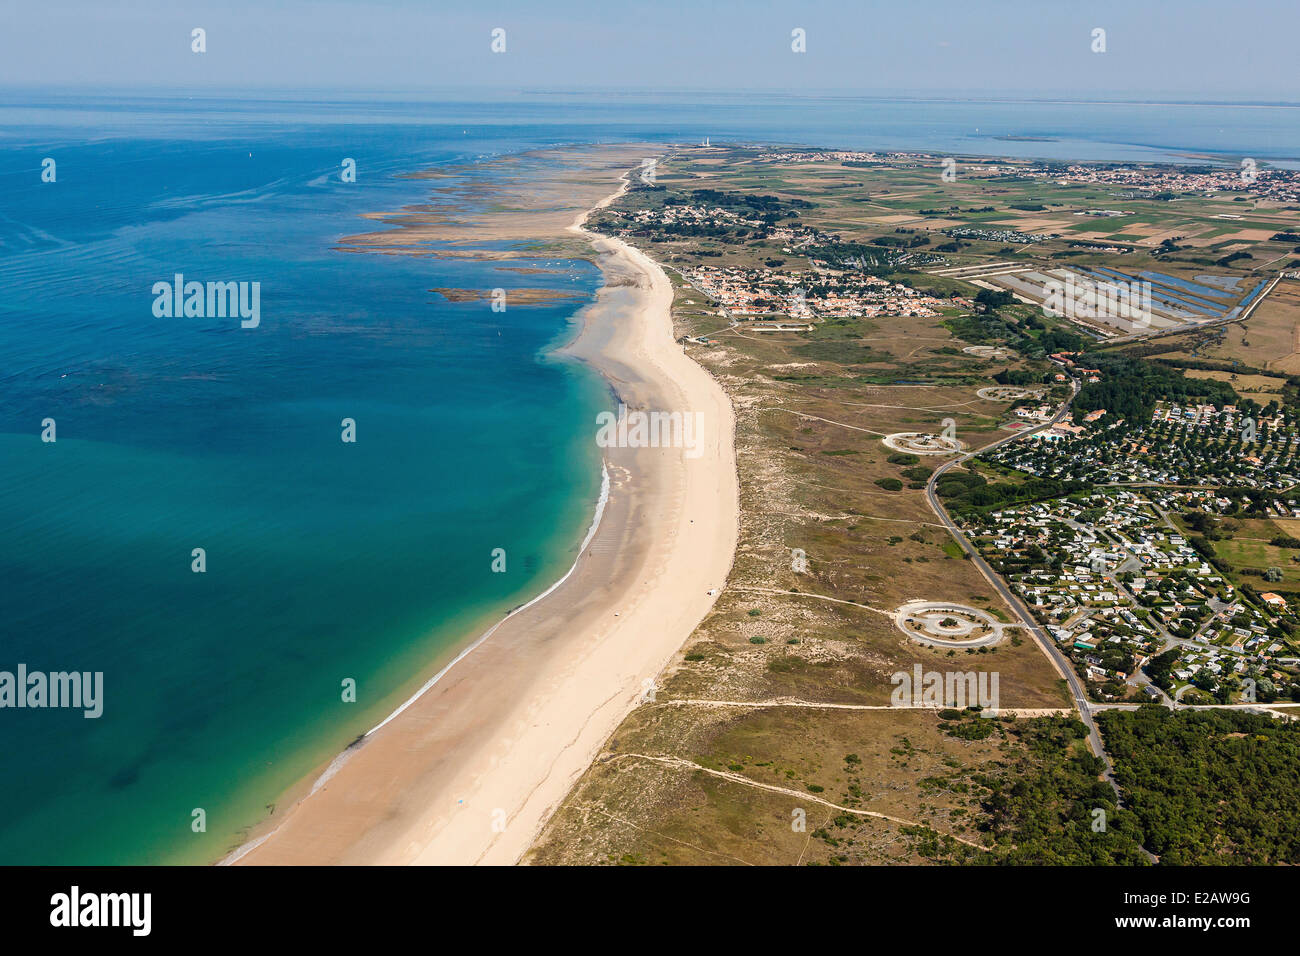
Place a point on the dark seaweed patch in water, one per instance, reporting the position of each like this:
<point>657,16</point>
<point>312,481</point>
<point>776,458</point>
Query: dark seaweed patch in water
<point>126,777</point>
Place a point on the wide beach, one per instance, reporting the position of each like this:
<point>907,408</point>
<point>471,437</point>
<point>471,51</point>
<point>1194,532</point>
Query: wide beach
<point>469,770</point>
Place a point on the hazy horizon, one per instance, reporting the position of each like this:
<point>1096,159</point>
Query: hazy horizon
<point>1155,51</point>
<point>488,94</point>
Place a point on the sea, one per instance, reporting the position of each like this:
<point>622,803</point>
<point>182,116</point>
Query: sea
<point>256,591</point>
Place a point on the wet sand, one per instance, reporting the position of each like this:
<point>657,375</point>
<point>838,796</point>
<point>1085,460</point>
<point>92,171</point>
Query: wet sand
<point>471,769</point>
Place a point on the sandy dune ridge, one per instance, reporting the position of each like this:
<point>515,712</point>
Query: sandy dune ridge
<point>471,768</point>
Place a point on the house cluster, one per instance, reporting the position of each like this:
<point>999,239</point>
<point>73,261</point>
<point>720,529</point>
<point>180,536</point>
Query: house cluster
<point>1067,359</point>
<point>692,214</point>
<point>688,218</point>
<point>826,156</point>
<point>1281,185</point>
<point>1221,420</point>
<point>1060,431</point>
<point>1189,444</point>
<point>794,238</point>
<point>994,235</point>
<point>747,293</point>
<point>1115,583</point>
<point>1220,502</point>
<point>1036,413</point>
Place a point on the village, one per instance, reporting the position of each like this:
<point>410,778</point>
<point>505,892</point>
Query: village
<point>749,293</point>
<point>847,156</point>
<point>1199,444</point>
<point>1279,185</point>
<point>691,219</point>
<point>1116,584</point>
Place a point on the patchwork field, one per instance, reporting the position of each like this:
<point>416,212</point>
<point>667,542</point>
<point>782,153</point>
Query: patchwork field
<point>1262,388</point>
<point>835,534</point>
<point>1268,341</point>
<point>775,736</point>
<point>1250,549</point>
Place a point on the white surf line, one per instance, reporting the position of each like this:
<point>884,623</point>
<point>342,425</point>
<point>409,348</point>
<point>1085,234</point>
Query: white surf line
<point>591,533</point>
<point>337,763</point>
<point>244,850</point>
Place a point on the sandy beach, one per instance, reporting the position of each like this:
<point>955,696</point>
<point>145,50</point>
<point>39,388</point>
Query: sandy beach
<point>469,771</point>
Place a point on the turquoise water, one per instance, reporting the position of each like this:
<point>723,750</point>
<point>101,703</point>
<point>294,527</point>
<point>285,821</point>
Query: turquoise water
<point>325,560</point>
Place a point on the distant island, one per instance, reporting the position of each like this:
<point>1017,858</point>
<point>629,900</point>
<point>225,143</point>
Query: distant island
<point>510,297</point>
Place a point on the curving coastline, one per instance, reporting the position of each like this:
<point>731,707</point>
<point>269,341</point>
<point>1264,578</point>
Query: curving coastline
<point>469,768</point>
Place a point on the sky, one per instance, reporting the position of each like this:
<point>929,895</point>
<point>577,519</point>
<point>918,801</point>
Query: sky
<point>1243,50</point>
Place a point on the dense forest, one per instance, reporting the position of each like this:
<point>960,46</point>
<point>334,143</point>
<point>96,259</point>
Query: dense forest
<point>1199,787</point>
<point>992,326</point>
<point>1209,787</point>
<point>963,491</point>
<point>868,258</point>
<point>1051,808</point>
<point>1129,388</point>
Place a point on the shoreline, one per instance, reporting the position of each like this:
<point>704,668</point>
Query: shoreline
<point>469,768</point>
<point>338,761</point>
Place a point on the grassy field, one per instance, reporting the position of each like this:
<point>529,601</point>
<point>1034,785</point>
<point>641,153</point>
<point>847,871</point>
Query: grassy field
<point>1269,340</point>
<point>1249,547</point>
<point>780,765</point>
<point>738,746</point>
<point>1262,388</point>
<point>811,411</point>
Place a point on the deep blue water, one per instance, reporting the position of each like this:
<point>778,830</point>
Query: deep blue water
<point>325,560</point>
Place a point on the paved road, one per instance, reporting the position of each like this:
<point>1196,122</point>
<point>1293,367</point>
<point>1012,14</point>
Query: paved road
<point>1274,709</point>
<point>1139,678</point>
<point>1048,646</point>
<point>1044,640</point>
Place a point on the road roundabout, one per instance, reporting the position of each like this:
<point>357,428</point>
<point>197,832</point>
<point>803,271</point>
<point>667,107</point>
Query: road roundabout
<point>948,625</point>
<point>923,443</point>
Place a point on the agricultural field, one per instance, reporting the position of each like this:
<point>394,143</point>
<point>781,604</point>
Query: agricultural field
<point>1248,549</point>
<point>1268,342</point>
<point>837,306</point>
<point>1262,388</point>
<point>835,534</point>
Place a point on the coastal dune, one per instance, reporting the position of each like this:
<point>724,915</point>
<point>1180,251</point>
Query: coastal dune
<point>470,769</point>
